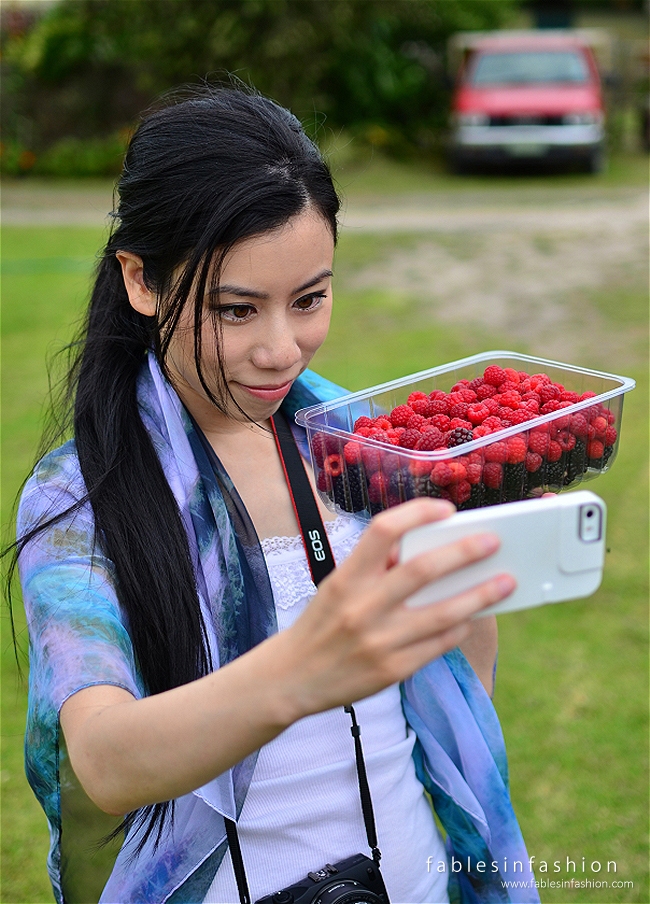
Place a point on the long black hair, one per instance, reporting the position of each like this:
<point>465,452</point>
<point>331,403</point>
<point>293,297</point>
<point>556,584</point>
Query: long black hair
<point>203,171</point>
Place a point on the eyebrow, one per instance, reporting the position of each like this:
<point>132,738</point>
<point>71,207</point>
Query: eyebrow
<point>242,292</point>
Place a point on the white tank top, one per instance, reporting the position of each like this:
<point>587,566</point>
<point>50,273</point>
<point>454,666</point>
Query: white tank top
<point>303,809</point>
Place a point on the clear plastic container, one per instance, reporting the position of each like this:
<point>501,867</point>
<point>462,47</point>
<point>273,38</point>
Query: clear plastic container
<point>551,450</point>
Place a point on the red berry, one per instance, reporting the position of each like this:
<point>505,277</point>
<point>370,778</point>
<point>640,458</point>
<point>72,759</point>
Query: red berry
<point>432,439</point>
<point>379,436</point>
<point>492,405</point>
<point>474,384</point>
<point>572,397</point>
<point>456,422</point>
<point>578,425</point>
<point>538,441</point>
<point>595,449</point>
<point>477,413</point>
<point>494,423</point>
<point>566,440</point>
<point>510,399</point>
<point>496,452</point>
<point>415,422</point>
<point>517,448</point>
<point>485,391</point>
<point>494,375</point>
<point>610,436</point>
<point>363,431</point>
<point>533,462</point>
<point>437,394</point>
<point>548,393</point>
<point>333,465</point>
<point>480,431</point>
<point>371,458</point>
<point>409,438</point>
<point>352,453</point>
<point>394,434</point>
<point>421,406</point>
<point>512,375</point>
<point>458,471</point>
<point>378,489</point>
<point>460,492</point>
<point>441,474</point>
<point>363,421</point>
<point>383,423</point>
<point>441,421</point>
<point>459,410</point>
<point>415,396</point>
<point>399,416</point>
<point>492,475</point>
<point>474,472</point>
<point>438,406</point>
<point>554,452</point>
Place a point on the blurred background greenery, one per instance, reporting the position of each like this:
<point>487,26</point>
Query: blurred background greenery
<point>369,78</point>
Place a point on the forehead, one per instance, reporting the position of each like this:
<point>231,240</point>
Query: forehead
<point>283,257</point>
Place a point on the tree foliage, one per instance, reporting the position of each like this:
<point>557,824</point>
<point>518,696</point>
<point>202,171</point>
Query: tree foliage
<point>88,66</point>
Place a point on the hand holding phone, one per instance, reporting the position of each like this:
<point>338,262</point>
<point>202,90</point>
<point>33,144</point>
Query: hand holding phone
<point>553,547</point>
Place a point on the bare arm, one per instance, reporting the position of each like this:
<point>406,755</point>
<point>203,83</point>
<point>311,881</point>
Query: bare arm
<point>354,639</point>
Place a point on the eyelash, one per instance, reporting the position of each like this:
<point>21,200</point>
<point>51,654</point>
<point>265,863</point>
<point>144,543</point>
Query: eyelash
<point>222,310</point>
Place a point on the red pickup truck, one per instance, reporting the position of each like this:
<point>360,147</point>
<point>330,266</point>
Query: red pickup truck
<point>528,96</point>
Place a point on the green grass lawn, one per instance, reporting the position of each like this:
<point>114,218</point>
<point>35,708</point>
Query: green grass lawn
<point>572,680</point>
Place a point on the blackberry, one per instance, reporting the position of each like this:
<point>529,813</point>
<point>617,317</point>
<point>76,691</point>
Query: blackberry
<point>356,489</point>
<point>338,493</point>
<point>576,463</point>
<point>376,508</point>
<point>554,473</point>
<point>402,483</point>
<point>476,498</point>
<point>535,479</point>
<point>422,486</point>
<point>514,477</point>
<point>491,497</point>
<point>458,436</point>
<point>607,454</point>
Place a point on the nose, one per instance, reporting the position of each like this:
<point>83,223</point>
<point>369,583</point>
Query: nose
<point>277,346</point>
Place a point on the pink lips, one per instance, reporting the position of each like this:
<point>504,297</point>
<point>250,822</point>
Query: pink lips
<point>268,393</point>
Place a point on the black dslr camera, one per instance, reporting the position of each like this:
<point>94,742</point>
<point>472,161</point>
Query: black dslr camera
<point>356,880</point>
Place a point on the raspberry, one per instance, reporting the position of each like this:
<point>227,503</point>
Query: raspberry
<point>477,413</point>
<point>467,395</point>
<point>458,436</point>
<point>512,375</point>
<point>595,449</point>
<point>379,436</point>
<point>510,399</point>
<point>322,445</point>
<point>461,384</point>
<point>415,396</point>
<point>494,423</point>
<point>459,410</point>
<point>352,452</point>
<point>533,462</point>
<point>363,431</point>
<point>610,436</point>
<point>371,458</point>
<point>485,391</point>
<point>474,384</point>
<point>378,489</point>
<point>409,438</point>
<point>531,397</point>
<point>420,468</point>
<point>459,422</point>
<point>548,407</point>
<point>554,452</point>
<point>333,465</point>
<point>600,425</point>
<point>363,421</point>
<point>432,439</point>
<point>460,492</point>
<point>394,435</point>
<point>509,386</point>
<point>549,392</point>
<point>538,380</point>
<point>496,452</point>
<point>441,421</point>
<point>517,448</point>
<point>383,423</point>
<point>421,406</point>
<point>492,405</point>
<point>492,475</point>
<point>572,397</point>
<point>565,440</point>
<point>415,422</point>
<point>494,375</point>
<point>578,425</point>
<point>441,474</point>
<point>587,395</point>
<point>323,482</point>
<point>438,406</point>
<point>519,416</point>
<point>538,441</point>
<point>474,471</point>
<point>399,416</point>
<point>458,471</point>
<point>532,405</point>
<point>437,394</point>
<point>480,431</point>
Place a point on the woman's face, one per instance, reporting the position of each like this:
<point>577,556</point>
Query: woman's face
<point>273,306</point>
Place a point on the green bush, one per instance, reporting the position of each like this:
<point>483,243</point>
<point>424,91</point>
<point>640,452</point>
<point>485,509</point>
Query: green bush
<point>68,157</point>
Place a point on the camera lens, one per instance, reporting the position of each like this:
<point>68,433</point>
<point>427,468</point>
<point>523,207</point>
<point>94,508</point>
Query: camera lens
<point>347,892</point>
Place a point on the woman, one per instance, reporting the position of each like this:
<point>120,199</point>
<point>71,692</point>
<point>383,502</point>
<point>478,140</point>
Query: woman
<point>166,590</point>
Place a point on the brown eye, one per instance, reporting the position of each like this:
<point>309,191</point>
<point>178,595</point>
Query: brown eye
<point>240,311</point>
<point>309,302</point>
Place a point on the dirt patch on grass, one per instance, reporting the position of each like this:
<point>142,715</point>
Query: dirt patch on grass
<point>529,274</point>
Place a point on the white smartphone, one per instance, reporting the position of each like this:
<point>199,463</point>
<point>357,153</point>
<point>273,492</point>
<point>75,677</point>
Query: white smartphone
<point>554,548</point>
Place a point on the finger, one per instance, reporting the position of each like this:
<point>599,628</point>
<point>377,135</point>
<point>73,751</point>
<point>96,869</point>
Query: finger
<point>425,622</point>
<point>375,548</point>
<point>410,576</point>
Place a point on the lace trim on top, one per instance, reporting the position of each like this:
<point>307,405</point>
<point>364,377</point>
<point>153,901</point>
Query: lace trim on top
<point>287,563</point>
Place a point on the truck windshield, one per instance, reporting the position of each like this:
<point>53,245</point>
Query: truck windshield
<point>529,67</point>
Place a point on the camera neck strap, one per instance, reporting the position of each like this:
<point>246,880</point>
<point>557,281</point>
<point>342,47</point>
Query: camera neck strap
<point>321,562</point>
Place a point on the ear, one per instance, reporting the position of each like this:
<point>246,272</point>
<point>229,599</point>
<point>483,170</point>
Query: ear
<point>141,298</point>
